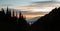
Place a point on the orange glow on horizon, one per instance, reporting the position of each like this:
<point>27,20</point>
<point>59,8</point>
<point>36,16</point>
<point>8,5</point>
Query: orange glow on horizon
<point>32,16</point>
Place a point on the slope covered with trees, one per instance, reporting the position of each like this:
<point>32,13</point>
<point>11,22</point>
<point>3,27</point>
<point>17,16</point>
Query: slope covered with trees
<point>49,22</point>
<point>9,23</point>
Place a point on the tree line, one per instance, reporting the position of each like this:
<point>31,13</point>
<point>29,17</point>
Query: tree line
<point>12,23</point>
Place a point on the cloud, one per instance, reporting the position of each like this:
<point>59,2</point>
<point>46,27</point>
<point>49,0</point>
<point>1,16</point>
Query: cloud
<point>45,3</point>
<point>41,6</point>
<point>6,5</point>
<point>33,13</point>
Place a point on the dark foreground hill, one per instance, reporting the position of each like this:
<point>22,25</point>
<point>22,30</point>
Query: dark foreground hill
<point>49,22</point>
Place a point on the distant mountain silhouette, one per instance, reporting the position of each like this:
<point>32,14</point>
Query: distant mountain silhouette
<point>9,23</point>
<point>32,20</point>
<point>49,22</point>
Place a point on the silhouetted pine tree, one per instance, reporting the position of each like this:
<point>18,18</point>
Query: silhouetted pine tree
<point>14,19</point>
<point>22,24</point>
<point>2,14</point>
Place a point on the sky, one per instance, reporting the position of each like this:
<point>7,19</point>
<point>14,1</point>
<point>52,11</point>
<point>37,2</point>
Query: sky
<point>17,3</point>
<point>33,7</point>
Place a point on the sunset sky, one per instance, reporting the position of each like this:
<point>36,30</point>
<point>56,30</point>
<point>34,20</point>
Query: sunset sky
<point>31,8</point>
